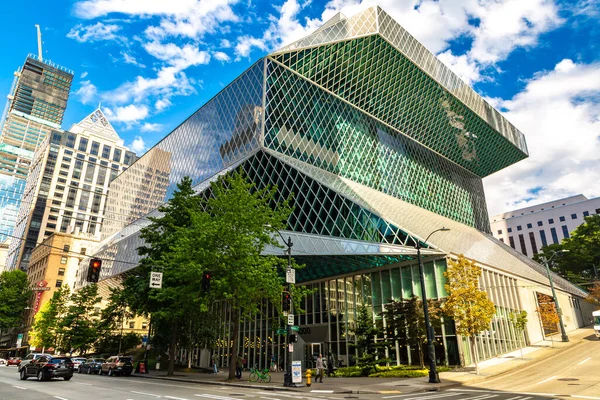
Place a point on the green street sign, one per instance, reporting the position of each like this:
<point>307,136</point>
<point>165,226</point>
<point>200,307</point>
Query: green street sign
<point>295,328</point>
<point>281,331</point>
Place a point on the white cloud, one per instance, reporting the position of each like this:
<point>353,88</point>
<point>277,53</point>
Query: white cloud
<point>138,145</point>
<point>245,45</point>
<point>225,44</point>
<point>84,74</point>
<point>558,111</point>
<point>462,66</point>
<point>129,114</point>
<point>149,127</point>
<point>87,92</point>
<point>219,55</point>
<point>129,59</point>
<point>161,104</point>
<point>94,33</point>
<point>181,57</point>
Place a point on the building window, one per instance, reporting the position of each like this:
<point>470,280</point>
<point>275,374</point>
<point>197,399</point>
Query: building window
<point>95,148</point>
<point>66,248</point>
<point>509,230</point>
<point>551,221</point>
<point>511,241</point>
<point>58,283</point>
<point>543,237</point>
<point>529,226</point>
<point>117,155</point>
<point>597,210</point>
<point>105,151</point>
<point>83,251</point>
<point>562,219</point>
<point>586,213</point>
<point>573,216</point>
<point>565,231</point>
<point>63,260</point>
<point>554,235</point>
<point>519,227</point>
<point>61,271</point>
<point>540,223</point>
<point>533,243</point>
<point>83,142</point>
<point>499,231</point>
<point>144,325</point>
<point>131,324</point>
<point>522,243</point>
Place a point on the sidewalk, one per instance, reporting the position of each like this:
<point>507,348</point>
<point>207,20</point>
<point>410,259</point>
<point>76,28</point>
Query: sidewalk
<point>488,368</point>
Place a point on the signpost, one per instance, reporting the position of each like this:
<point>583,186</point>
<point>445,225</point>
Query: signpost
<point>156,280</point>
<point>290,319</point>
<point>290,275</point>
<point>19,340</point>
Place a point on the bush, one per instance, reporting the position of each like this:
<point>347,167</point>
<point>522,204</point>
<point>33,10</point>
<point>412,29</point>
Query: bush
<point>349,372</point>
<point>395,371</point>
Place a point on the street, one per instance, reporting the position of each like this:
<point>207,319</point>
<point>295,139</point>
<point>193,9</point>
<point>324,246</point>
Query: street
<point>131,388</point>
<point>572,372</point>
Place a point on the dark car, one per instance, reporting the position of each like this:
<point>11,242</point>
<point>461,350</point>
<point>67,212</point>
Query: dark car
<point>117,365</point>
<point>91,366</point>
<point>45,368</point>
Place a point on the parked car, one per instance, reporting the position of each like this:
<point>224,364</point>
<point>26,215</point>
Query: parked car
<point>32,356</point>
<point>77,362</point>
<point>3,361</point>
<point>14,361</point>
<point>117,365</point>
<point>45,368</point>
<point>91,366</point>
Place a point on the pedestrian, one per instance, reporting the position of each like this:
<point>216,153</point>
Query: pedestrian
<point>273,363</point>
<point>239,363</point>
<point>320,369</point>
<point>214,361</point>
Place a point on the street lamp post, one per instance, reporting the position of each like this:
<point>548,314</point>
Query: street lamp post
<point>433,374</point>
<point>546,262</point>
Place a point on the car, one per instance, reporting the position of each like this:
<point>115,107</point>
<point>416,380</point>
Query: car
<point>117,365</point>
<point>3,361</point>
<point>32,356</point>
<point>14,361</point>
<point>91,366</point>
<point>77,362</point>
<point>45,368</point>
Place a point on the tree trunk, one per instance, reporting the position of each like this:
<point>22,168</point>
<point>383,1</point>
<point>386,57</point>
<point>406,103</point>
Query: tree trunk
<point>233,352</point>
<point>474,353</point>
<point>421,357</point>
<point>171,369</point>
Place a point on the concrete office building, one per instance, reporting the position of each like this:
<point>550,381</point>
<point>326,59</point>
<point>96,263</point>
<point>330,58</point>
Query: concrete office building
<point>528,229</point>
<point>381,145</point>
<point>67,187</point>
<point>36,105</point>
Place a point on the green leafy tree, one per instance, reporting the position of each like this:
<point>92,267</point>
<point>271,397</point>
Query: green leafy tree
<point>46,331</point>
<point>110,343</point>
<point>238,222</point>
<point>470,307</point>
<point>549,318</point>
<point>78,326</point>
<point>370,341</point>
<point>519,321</point>
<point>405,322</point>
<point>109,325</point>
<point>181,294</point>
<point>14,297</point>
<point>594,294</point>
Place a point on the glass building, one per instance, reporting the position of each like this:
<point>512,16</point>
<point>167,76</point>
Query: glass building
<point>380,144</point>
<point>36,105</point>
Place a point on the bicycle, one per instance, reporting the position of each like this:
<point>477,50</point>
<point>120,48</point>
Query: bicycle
<point>256,374</point>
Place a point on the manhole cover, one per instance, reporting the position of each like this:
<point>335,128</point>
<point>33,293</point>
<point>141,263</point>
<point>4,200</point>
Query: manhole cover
<point>567,379</point>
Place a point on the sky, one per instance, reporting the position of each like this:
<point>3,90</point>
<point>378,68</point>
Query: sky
<point>151,63</point>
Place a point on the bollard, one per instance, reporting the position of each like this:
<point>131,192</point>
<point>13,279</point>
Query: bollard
<point>308,373</point>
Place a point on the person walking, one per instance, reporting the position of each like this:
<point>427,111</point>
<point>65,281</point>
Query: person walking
<point>214,361</point>
<point>239,363</point>
<point>320,369</point>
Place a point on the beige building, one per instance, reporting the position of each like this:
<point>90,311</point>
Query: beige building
<point>54,263</point>
<point>4,254</point>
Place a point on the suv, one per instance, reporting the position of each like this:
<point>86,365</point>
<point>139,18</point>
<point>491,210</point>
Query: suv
<point>46,367</point>
<point>91,366</point>
<point>117,365</point>
<point>30,358</point>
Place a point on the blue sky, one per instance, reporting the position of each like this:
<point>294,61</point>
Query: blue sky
<point>152,63</point>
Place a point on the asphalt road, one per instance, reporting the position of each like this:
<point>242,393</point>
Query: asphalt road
<point>573,372</point>
<point>84,387</point>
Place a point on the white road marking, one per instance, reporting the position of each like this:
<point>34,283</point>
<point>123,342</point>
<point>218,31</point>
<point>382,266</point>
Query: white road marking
<point>19,387</point>
<point>145,394</point>
<point>584,361</point>
<point>515,398</point>
<point>413,394</point>
<point>269,398</point>
<point>81,383</point>
<point>174,398</point>
<point>504,392</point>
<point>586,397</point>
<point>321,391</point>
<point>60,398</point>
<point>216,397</point>
<point>282,394</point>
<point>426,396</point>
<point>547,380</point>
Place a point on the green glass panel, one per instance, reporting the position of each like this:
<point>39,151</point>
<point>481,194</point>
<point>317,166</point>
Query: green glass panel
<point>430,281</point>
<point>440,268</point>
<point>386,290</point>
<point>407,288</point>
<point>396,284</point>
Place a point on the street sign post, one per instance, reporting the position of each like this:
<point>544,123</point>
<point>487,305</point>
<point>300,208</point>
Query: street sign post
<point>156,280</point>
<point>19,340</point>
<point>295,328</point>
<point>290,319</point>
<point>290,275</point>
<point>281,331</point>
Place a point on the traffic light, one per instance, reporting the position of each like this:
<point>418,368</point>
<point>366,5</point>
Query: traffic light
<point>206,281</point>
<point>286,302</point>
<point>94,270</point>
<point>293,338</point>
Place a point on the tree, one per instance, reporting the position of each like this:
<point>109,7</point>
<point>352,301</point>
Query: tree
<point>78,326</point>
<point>110,324</point>
<point>549,318</point>
<point>594,294</point>
<point>181,294</point>
<point>46,332</point>
<point>229,237</point>
<point>519,321</point>
<point>470,307</point>
<point>369,341</point>
<point>405,321</point>
<point>582,261</point>
<point>14,297</point>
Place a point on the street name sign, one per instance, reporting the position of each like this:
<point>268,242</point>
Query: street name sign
<point>295,328</point>
<point>281,331</point>
<point>156,280</point>
<point>40,289</point>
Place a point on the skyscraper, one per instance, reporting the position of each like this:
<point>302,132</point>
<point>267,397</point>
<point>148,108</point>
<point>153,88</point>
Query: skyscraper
<point>67,186</point>
<point>36,105</point>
